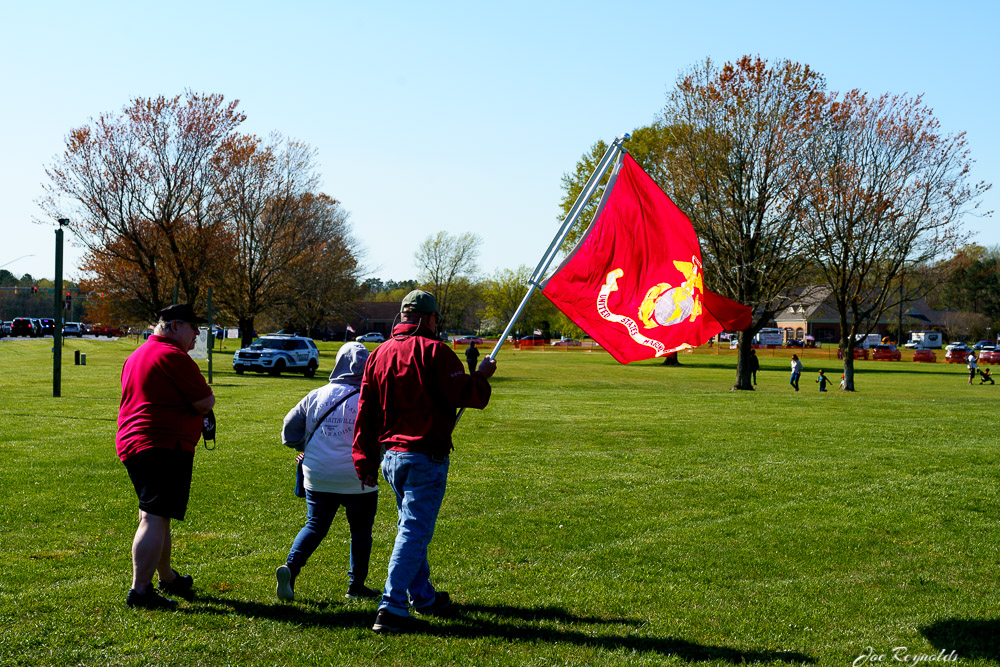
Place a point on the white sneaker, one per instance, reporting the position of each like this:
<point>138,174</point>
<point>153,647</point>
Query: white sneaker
<point>284,590</point>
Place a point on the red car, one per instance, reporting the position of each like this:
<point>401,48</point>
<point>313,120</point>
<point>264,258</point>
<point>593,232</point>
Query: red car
<point>989,357</point>
<point>532,341</point>
<point>465,340</point>
<point>886,353</point>
<point>859,353</point>
<point>956,356</point>
<point>105,330</point>
<point>927,356</point>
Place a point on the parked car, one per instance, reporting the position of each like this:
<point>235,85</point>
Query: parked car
<point>956,355</point>
<point>984,345</point>
<point>910,345</point>
<point>566,342</point>
<point>794,342</point>
<point>886,353</point>
<point>859,353</point>
<point>72,329</point>
<point>22,326</point>
<point>534,338</point>
<point>927,356</point>
<point>277,353</point>
<point>371,337</point>
<point>465,340</point>
<point>990,356</point>
<point>956,346</point>
<point>37,323</point>
<point>108,330</point>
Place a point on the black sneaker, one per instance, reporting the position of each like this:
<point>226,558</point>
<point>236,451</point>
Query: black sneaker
<point>148,600</point>
<point>387,622</point>
<point>440,607</point>
<point>359,591</point>
<point>286,582</point>
<point>181,586</point>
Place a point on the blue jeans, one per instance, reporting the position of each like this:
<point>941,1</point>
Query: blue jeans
<point>795,381</point>
<point>322,507</point>
<point>419,485</point>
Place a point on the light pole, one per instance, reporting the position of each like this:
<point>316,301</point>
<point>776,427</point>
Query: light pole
<point>57,332</point>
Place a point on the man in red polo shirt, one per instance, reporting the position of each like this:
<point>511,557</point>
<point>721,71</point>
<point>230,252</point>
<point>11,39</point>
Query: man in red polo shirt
<point>164,398</point>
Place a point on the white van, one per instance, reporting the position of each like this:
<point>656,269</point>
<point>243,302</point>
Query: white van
<point>769,337</point>
<point>867,341</point>
<point>925,340</point>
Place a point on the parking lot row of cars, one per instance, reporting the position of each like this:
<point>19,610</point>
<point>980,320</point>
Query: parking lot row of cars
<point>37,327</point>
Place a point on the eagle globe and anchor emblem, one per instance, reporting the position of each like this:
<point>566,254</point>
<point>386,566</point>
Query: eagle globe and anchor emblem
<point>664,304</point>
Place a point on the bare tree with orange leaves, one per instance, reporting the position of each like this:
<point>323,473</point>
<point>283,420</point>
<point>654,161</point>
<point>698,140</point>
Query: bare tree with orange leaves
<point>736,146</point>
<point>168,198</point>
<point>278,233</point>
<point>889,196</point>
<point>141,191</point>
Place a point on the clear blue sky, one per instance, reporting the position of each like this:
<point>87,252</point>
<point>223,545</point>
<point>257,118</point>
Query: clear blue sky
<point>456,116</point>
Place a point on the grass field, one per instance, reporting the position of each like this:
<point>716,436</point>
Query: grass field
<point>596,515</point>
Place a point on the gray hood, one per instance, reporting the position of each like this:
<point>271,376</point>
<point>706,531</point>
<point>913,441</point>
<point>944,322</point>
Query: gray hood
<point>350,363</point>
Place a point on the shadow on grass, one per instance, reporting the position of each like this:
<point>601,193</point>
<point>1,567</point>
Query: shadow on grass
<point>971,639</point>
<point>519,624</point>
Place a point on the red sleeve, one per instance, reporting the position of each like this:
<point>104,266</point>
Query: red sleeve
<point>459,388</point>
<point>366,450</point>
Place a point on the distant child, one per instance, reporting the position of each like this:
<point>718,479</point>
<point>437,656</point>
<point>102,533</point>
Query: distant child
<point>843,381</point>
<point>971,365</point>
<point>822,380</point>
<point>986,376</point>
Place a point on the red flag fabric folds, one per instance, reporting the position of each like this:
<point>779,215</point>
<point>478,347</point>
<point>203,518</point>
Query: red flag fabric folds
<point>635,282</point>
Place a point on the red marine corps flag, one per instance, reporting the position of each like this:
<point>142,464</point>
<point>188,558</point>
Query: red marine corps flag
<point>634,283</point>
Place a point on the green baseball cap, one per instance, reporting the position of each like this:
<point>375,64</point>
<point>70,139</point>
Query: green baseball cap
<point>419,301</point>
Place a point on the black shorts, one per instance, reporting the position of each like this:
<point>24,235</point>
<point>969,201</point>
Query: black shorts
<point>162,480</point>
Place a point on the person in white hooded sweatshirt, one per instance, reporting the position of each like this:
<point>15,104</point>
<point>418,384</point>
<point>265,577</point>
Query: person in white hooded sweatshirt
<point>330,478</point>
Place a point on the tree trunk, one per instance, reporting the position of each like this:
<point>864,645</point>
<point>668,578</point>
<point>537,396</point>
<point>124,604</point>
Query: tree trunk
<point>847,348</point>
<point>671,360</point>
<point>246,331</point>
<point>744,378</point>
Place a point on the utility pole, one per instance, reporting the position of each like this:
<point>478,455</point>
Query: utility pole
<point>58,319</point>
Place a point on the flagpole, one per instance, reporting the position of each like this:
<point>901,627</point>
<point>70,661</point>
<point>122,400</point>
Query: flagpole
<point>550,254</point>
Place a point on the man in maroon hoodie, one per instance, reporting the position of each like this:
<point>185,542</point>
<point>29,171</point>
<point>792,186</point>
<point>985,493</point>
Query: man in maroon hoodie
<point>411,390</point>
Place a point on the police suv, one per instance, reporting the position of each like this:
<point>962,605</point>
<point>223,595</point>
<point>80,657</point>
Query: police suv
<point>276,353</point>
